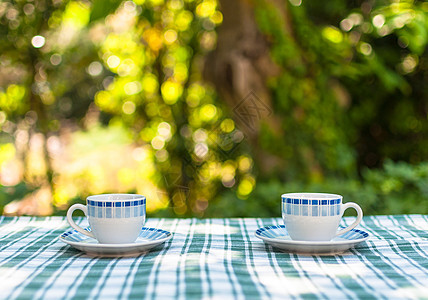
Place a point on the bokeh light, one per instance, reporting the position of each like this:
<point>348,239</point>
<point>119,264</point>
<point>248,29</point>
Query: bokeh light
<point>38,41</point>
<point>95,68</point>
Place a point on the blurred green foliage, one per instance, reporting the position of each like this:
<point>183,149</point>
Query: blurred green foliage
<point>398,188</point>
<point>353,85</point>
<point>108,96</point>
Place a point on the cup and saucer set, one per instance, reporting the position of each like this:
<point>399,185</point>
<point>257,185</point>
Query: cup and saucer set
<point>311,225</point>
<point>115,227</point>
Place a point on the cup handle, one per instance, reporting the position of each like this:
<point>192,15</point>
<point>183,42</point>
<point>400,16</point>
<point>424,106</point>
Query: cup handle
<point>74,225</point>
<point>356,222</point>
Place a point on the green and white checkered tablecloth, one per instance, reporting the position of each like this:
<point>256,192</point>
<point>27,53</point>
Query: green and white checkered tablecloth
<point>214,259</point>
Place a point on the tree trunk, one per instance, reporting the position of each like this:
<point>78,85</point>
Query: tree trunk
<point>239,68</point>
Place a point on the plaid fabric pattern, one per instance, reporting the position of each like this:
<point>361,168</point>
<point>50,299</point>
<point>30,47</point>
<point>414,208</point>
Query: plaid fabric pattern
<point>215,259</point>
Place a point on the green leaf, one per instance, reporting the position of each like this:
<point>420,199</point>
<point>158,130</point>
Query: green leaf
<point>102,8</point>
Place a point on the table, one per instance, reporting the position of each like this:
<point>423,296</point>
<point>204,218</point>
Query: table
<point>214,259</point>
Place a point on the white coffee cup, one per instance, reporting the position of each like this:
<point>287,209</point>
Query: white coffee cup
<point>113,218</point>
<point>316,216</point>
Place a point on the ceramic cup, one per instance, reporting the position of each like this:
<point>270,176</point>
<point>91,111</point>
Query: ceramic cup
<point>113,218</point>
<point>315,216</point>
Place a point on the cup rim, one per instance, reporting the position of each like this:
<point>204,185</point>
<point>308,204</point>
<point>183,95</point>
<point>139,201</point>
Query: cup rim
<point>115,197</point>
<point>312,196</point>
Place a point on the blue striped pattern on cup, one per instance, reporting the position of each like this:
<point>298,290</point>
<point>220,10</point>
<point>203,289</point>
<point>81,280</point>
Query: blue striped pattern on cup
<point>116,209</point>
<point>310,207</point>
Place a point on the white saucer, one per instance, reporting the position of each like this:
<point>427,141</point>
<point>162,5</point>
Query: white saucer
<point>148,238</point>
<point>278,237</point>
